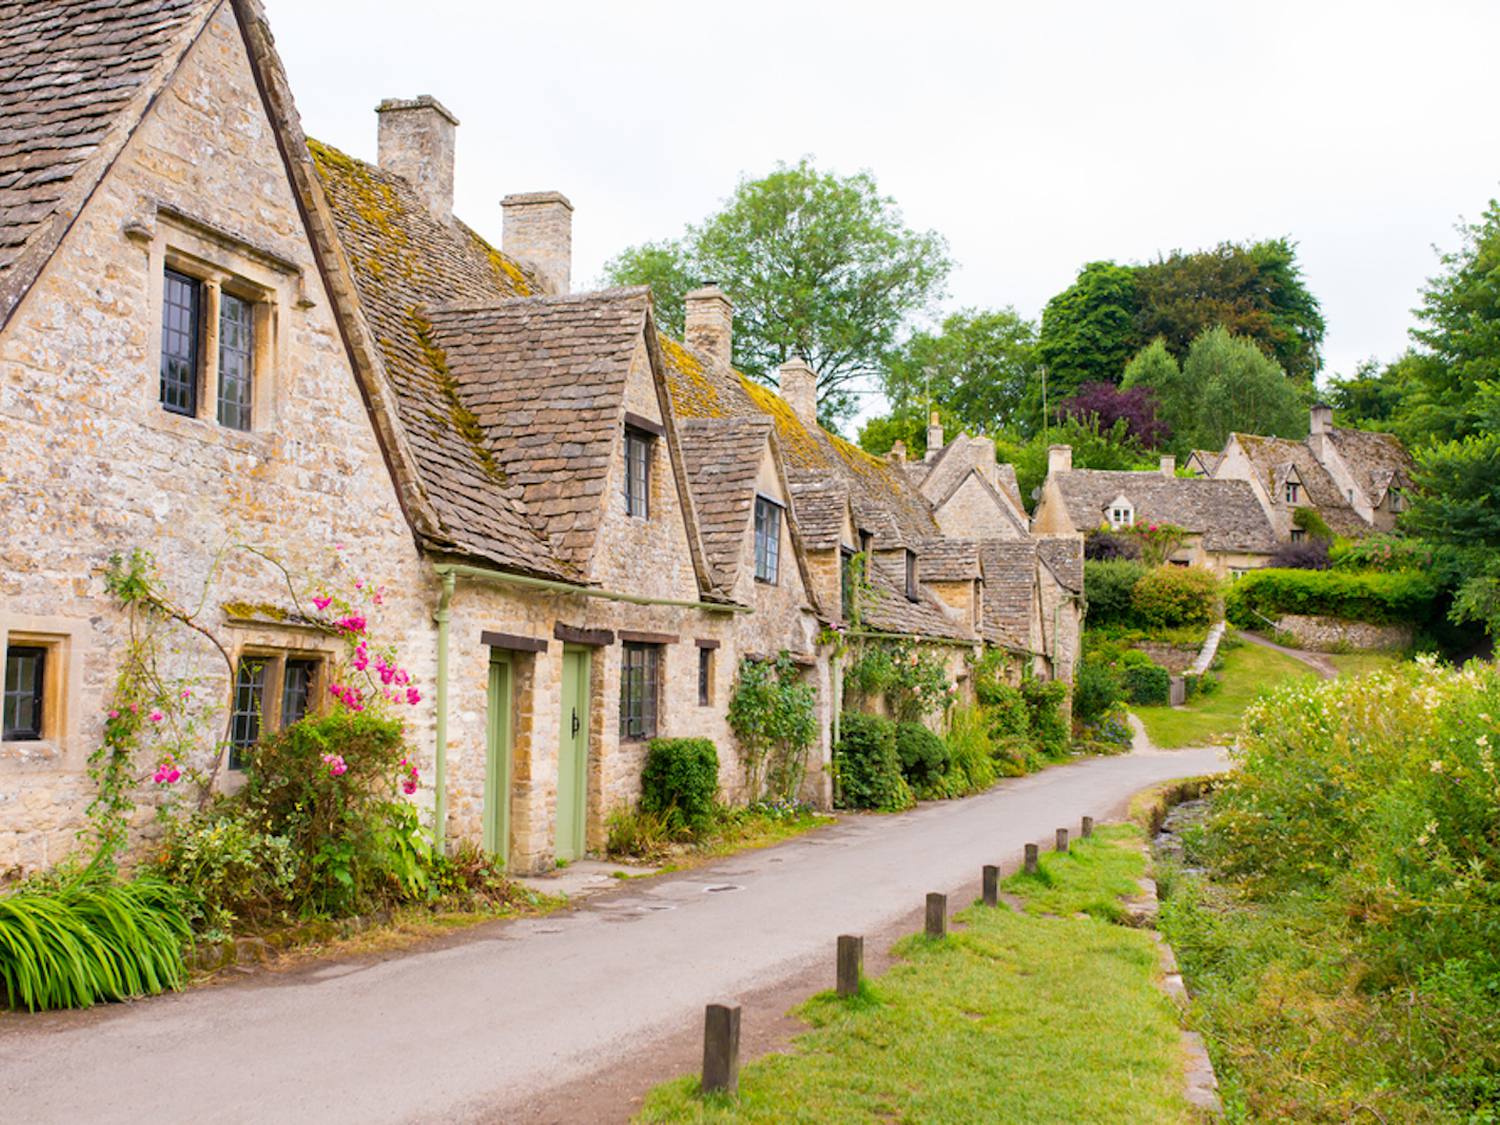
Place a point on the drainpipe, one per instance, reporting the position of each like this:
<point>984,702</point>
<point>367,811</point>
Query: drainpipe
<point>440,757</point>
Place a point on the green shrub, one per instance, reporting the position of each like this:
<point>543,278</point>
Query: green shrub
<point>924,759</point>
<point>71,943</point>
<point>1147,683</point>
<point>773,713</point>
<point>232,871</point>
<point>1311,522</point>
<point>1398,596</point>
<point>970,750</point>
<point>635,833</point>
<point>1096,689</point>
<point>1108,586</point>
<point>680,780</point>
<point>867,766</point>
<point>1382,552</point>
<point>1044,700</point>
<point>1171,596</point>
<point>1008,723</point>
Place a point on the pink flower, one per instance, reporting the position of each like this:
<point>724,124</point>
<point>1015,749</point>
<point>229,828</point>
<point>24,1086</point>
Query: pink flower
<point>173,775</point>
<point>359,583</point>
<point>113,714</point>
<point>379,596</point>
<point>156,716</point>
<point>135,709</point>
<point>186,693</point>
<point>361,658</point>
<point>413,696</point>
<point>409,786</point>
<point>335,690</point>
<point>354,623</point>
<point>337,767</point>
<point>322,603</point>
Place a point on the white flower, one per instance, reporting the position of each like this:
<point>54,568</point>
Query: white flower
<point>1436,765</point>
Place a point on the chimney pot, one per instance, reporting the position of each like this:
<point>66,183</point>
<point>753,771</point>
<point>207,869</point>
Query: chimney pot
<point>537,230</point>
<point>1320,418</point>
<point>934,436</point>
<point>1168,465</point>
<point>416,141</point>
<point>1059,459</point>
<point>709,324</point>
<point>799,386</point>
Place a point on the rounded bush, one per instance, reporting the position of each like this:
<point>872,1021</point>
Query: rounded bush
<point>868,769</point>
<point>1108,585</point>
<point>1170,596</point>
<point>1096,689</point>
<point>924,756</point>
<point>680,780</point>
<point>1148,683</point>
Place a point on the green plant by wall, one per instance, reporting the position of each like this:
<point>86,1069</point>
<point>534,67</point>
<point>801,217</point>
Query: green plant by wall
<point>680,780</point>
<point>1147,683</point>
<point>1171,596</point>
<point>970,752</point>
<point>773,714</point>
<point>910,678</point>
<point>1310,521</point>
<point>924,759</point>
<point>867,766</point>
<point>1044,707</point>
<point>1108,585</point>
<point>1097,689</point>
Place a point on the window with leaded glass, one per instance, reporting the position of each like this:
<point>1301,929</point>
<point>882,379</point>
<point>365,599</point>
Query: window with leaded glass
<point>297,689</point>
<point>767,539</point>
<point>181,299</point>
<point>705,676</point>
<point>640,679</point>
<point>25,683</point>
<point>637,474</point>
<point>236,360</point>
<point>249,709</point>
<point>848,579</point>
<point>911,575</point>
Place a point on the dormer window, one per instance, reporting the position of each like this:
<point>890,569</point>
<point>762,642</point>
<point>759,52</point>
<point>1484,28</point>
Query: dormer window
<point>1293,492</point>
<point>637,473</point>
<point>1121,513</point>
<point>1397,501</point>
<point>767,540</point>
<point>911,575</point>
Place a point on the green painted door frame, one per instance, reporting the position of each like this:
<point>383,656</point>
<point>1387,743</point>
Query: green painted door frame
<point>573,754</point>
<point>497,758</point>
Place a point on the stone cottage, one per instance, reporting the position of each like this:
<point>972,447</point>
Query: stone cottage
<point>1227,530</point>
<point>255,355</point>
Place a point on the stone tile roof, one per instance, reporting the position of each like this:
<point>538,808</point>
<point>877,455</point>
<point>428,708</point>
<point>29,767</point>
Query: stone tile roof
<point>1375,460</point>
<point>75,79</point>
<point>820,506</point>
<point>1063,556</point>
<point>1225,512</point>
<point>544,380</point>
<point>891,611</point>
<point>1208,458</point>
<point>1010,486</point>
<point>722,457</point>
<point>1273,456</point>
<point>947,560</point>
<point>1009,568</point>
<point>404,263</point>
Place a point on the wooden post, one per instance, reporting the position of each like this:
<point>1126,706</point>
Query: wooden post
<point>1031,858</point>
<point>721,1049</point>
<point>1062,839</point>
<point>1088,827</point>
<point>851,960</point>
<point>991,885</point>
<point>937,915</point>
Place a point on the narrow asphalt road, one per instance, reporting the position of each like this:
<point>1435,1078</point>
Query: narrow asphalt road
<point>484,1028</point>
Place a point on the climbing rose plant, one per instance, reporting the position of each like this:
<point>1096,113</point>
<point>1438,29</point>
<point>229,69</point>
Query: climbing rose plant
<point>773,714</point>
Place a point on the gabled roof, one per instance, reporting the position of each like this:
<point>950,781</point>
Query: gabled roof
<point>1374,460</point>
<point>1225,512</point>
<point>1009,590</point>
<point>544,380</point>
<point>76,77</point>
<point>722,457</point>
<point>1271,458</point>
<point>889,610</point>
<point>821,506</point>
<point>947,560</point>
<point>1208,459</point>
<point>1063,556</point>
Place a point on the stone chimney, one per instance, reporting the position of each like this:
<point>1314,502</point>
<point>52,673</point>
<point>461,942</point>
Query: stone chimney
<point>709,326</point>
<point>1059,459</point>
<point>934,437</point>
<point>1168,465</point>
<point>537,229</point>
<point>799,386</point>
<point>416,143</point>
<point>1320,418</point>
<point>897,455</point>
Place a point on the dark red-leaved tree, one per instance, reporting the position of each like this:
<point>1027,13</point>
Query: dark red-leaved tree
<point>1137,406</point>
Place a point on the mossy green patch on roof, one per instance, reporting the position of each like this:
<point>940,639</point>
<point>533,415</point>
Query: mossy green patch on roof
<point>461,417</point>
<point>693,392</point>
<point>799,446</point>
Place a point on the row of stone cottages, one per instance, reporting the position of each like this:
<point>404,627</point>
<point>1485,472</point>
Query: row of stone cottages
<point>216,333</point>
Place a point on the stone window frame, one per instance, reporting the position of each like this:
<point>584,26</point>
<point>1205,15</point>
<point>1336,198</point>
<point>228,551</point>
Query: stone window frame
<point>61,744</point>
<point>707,666</point>
<point>638,492</point>
<point>767,527</point>
<point>276,651</point>
<point>652,667</point>
<point>221,263</point>
<point>911,576</point>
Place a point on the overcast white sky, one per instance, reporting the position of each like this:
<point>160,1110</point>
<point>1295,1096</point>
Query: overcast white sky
<point>1035,137</point>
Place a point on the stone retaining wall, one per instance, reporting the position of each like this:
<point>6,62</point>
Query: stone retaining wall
<point>1333,634</point>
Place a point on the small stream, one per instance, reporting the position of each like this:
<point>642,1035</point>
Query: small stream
<point>1168,842</point>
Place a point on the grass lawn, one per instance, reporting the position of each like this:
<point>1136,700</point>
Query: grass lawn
<point>1012,1018</point>
<point>1359,663</point>
<point>1210,719</point>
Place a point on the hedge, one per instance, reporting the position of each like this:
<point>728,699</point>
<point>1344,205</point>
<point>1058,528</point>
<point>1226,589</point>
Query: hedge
<point>680,780</point>
<point>1379,598</point>
<point>924,756</point>
<point>1108,585</point>
<point>869,771</point>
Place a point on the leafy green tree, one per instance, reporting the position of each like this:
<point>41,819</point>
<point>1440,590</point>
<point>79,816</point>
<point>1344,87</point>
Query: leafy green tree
<point>975,368</point>
<point>1373,397</point>
<point>1088,333</point>
<point>1157,369</point>
<point>819,266</point>
<point>1238,387</point>
<point>879,435</point>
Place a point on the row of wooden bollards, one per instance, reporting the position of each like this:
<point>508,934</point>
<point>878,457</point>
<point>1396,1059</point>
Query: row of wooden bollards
<point>721,1022</point>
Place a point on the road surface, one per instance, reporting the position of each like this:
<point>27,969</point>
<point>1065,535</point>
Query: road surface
<point>514,1019</point>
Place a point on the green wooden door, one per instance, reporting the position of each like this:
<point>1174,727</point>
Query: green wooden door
<point>572,754</point>
<point>497,760</point>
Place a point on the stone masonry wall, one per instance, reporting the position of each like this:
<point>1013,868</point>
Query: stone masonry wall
<point>1332,634</point>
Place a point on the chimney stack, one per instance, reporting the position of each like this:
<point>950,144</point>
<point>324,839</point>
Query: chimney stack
<point>709,324</point>
<point>537,230</point>
<point>1320,418</point>
<point>416,143</point>
<point>1168,465</point>
<point>1059,459</point>
<point>898,452</point>
<point>934,437</point>
<point>799,386</point>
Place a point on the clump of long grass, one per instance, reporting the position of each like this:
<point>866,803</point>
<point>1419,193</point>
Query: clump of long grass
<point>72,943</point>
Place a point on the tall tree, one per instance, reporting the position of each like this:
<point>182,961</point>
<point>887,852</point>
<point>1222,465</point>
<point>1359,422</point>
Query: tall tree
<point>1238,387</point>
<point>975,368</point>
<point>819,266</point>
<point>1088,332</point>
<point>1108,404</point>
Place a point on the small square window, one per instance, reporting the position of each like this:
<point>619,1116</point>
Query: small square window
<point>25,693</point>
<point>767,540</point>
<point>1293,492</point>
<point>271,692</point>
<point>236,361</point>
<point>705,676</point>
<point>637,474</point>
<point>182,299</point>
<point>1122,517</point>
<point>640,679</point>
<point>1298,534</point>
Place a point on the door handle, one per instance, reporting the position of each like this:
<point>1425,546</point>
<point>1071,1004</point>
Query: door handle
<point>576,723</point>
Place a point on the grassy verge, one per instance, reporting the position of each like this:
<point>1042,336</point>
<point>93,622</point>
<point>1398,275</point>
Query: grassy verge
<point>634,835</point>
<point>1015,1017</point>
<point>1210,719</point>
<point>1361,663</point>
